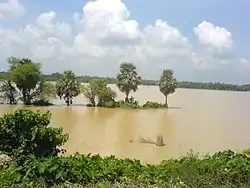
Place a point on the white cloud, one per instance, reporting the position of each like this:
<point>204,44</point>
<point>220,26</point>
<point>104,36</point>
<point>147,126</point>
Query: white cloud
<point>107,22</point>
<point>103,35</point>
<point>245,62</point>
<point>11,8</point>
<point>215,37</point>
<point>47,22</point>
<point>163,40</point>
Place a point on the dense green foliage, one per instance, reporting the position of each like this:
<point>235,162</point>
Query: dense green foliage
<point>26,75</point>
<point>131,103</point>
<point>25,132</point>
<point>24,82</point>
<point>223,169</point>
<point>44,93</point>
<point>150,104</point>
<point>167,84</point>
<point>128,79</point>
<point>98,89</point>
<point>68,87</point>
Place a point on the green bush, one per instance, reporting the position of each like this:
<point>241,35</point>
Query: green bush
<point>25,132</point>
<point>42,103</point>
<point>150,104</point>
<point>223,169</point>
<point>130,104</point>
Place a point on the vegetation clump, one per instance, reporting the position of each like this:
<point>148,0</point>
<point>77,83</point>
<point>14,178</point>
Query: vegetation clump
<point>226,168</point>
<point>24,82</point>
<point>150,104</point>
<point>44,94</point>
<point>25,133</point>
<point>99,94</point>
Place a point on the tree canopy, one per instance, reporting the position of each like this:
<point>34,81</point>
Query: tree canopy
<point>68,87</point>
<point>98,88</point>
<point>128,79</point>
<point>167,83</point>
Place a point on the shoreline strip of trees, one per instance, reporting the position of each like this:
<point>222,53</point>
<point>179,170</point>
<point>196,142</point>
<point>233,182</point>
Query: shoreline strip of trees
<point>25,82</point>
<point>180,84</point>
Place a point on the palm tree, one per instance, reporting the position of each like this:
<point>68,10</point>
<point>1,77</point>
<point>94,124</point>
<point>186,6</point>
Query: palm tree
<point>167,84</point>
<point>128,79</point>
<point>68,87</point>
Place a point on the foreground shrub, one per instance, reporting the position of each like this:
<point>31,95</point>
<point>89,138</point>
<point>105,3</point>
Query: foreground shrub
<point>25,132</point>
<point>223,169</point>
<point>150,104</point>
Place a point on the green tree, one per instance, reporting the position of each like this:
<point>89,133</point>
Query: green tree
<point>98,88</point>
<point>128,79</point>
<point>68,87</point>
<point>26,75</point>
<point>14,62</point>
<point>25,132</point>
<point>8,92</point>
<point>90,94</point>
<point>45,92</point>
<point>167,84</point>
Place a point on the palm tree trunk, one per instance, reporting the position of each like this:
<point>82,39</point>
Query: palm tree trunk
<point>67,101</point>
<point>166,100</point>
<point>126,98</point>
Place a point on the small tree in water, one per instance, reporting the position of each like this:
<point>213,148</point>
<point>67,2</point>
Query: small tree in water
<point>45,92</point>
<point>8,92</point>
<point>98,88</point>
<point>128,79</point>
<point>167,84</point>
<point>68,87</point>
<point>26,75</point>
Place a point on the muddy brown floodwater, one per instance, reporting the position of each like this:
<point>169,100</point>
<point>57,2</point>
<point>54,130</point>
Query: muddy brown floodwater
<point>200,120</point>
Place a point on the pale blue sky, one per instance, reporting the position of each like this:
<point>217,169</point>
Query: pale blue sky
<point>232,15</point>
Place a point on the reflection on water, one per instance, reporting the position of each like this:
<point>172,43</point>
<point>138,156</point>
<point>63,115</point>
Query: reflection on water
<point>205,121</point>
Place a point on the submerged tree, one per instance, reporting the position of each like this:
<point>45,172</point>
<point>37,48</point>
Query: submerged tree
<point>44,93</point>
<point>167,84</point>
<point>26,75</point>
<point>8,92</point>
<point>128,79</point>
<point>98,88</point>
<point>68,87</point>
<point>90,94</point>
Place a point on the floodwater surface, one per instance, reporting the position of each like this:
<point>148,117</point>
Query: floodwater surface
<point>200,120</point>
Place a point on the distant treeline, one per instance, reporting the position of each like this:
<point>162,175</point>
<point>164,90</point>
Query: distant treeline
<point>183,84</point>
